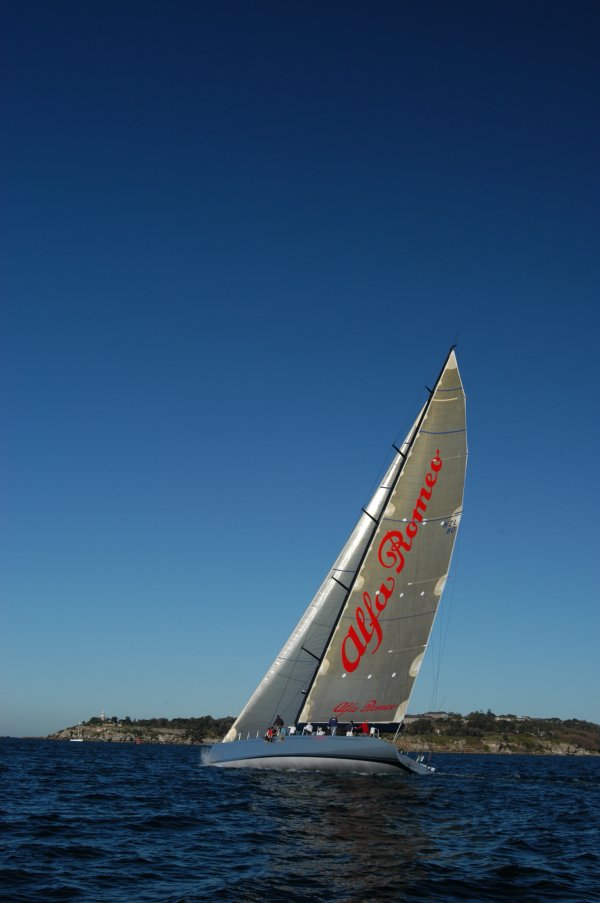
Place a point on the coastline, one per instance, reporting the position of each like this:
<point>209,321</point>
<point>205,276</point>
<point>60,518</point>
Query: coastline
<point>434,732</point>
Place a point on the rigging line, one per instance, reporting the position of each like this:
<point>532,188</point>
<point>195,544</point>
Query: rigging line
<point>415,614</point>
<point>336,621</point>
<point>403,431</point>
<point>297,661</point>
<point>290,677</point>
<point>297,691</point>
<point>444,637</point>
<point>446,614</point>
<point>442,432</point>
<point>436,655</point>
<point>384,504</point>
<point>377,482</point>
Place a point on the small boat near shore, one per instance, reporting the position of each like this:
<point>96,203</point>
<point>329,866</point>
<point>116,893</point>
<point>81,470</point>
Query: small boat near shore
<point>357,650</point>
<point>78,738</point>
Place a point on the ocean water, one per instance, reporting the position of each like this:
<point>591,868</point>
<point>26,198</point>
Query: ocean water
<point>114,822</point>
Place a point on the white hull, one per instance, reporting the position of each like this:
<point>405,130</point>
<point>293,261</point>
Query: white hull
<point>317,753</point>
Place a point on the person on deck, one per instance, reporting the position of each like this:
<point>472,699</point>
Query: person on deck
<point>364,728</point>
<point>333,723</point>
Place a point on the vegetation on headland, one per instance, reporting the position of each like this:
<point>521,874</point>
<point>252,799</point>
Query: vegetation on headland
<point>148,730</point>
<point>481,732</point>
<point>477,732</point>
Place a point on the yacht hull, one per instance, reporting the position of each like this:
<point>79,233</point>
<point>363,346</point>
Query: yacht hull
<point>318,753</point>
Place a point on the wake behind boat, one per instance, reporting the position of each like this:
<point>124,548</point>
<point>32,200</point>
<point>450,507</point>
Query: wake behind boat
<point>358,648</point>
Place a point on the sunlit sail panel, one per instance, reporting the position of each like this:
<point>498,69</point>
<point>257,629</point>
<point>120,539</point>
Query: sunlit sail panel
<point>374,655</point>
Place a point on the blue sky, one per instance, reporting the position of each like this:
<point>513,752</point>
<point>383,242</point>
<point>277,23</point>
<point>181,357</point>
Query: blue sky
<point>237,242</point>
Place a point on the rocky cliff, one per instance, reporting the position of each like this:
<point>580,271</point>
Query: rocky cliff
<point>439,732</point>
<point>153,730</point>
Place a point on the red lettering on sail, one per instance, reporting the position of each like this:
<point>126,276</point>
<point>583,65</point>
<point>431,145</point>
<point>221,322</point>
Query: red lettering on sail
<point>391,544</point>
<point>391,554</point>
<point>372,706</point>
<point>357,650</point>
<point>345,708</point>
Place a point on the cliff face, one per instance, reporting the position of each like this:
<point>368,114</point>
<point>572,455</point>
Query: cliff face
<point>481,732</point>
<point>439,732</point>
<point>186,731</point>
<point>524,745</point>
<point>119,733</point>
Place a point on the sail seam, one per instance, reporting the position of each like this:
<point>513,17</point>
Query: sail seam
<point>416,614</point>
<point>429,520</point>
<point>442,432</point>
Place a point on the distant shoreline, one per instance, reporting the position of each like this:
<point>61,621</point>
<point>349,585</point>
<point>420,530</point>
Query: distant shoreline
<point>406,747</point>
<point>485,732</point>
<point>476,733</point>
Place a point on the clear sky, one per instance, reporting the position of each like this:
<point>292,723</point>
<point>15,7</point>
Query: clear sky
<point>238,240</point>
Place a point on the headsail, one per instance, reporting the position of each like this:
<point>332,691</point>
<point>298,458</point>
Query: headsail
<point>323,667</point>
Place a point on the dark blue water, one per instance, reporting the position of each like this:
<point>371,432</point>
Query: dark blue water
<point>93,821</point>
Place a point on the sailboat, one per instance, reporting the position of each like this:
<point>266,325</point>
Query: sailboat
<point>356,652</point>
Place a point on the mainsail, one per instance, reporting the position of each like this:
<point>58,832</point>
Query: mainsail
<point>358,647</point>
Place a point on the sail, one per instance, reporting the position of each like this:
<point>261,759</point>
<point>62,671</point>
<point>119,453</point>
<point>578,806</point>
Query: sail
<point>376,648</point>
<point>283,689</point>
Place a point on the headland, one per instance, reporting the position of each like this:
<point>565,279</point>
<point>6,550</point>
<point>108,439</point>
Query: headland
<point>477,732</point>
